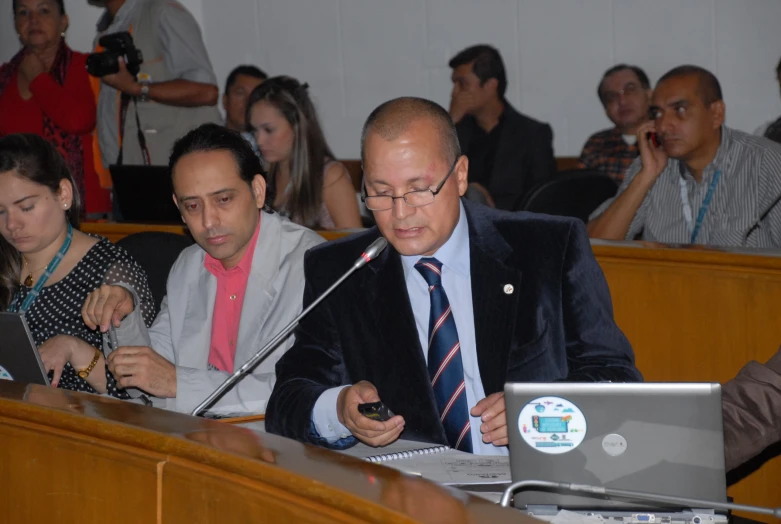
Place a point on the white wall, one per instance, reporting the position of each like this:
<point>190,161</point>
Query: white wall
<point>356,54</point>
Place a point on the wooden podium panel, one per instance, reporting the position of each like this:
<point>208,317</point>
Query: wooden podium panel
<point>60,478</point>
<point>75,457</point>
<point>691,314</point>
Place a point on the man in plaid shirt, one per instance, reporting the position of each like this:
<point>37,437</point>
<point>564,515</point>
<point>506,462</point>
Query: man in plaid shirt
<point>625,93</point>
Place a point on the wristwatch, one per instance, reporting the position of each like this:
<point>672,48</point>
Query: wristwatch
<point>144,92</point>
<point>84,373</point>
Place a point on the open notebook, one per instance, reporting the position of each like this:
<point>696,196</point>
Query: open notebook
<point>438,463</point>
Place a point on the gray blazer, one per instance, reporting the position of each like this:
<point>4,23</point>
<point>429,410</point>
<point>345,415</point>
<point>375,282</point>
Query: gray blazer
<point>182,330</point>
<point>751,407</point>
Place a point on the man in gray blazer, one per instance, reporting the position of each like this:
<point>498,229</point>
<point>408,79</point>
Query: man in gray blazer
<point>227,296</point>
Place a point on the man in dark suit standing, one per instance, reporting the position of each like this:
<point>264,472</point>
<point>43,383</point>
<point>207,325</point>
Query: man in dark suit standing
<point>508,152</point>
<point>464,299</point>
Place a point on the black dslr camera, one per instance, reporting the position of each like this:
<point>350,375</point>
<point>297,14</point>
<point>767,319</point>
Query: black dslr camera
<point>117,46</point>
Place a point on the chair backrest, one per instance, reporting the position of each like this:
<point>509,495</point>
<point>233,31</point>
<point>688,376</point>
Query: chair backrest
<point>155,252</point>
<point>575,193</point>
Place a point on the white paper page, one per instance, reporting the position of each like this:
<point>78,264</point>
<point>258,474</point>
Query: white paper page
<point>399,446</point>
<point>456,467</point>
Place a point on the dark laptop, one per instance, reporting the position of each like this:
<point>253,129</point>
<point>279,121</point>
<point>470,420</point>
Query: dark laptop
<point>143,194</point>
<point>19,358</point>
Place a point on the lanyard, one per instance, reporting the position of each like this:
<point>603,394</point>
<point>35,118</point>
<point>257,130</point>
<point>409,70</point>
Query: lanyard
<point>687,210</point>
<point>33,294</point>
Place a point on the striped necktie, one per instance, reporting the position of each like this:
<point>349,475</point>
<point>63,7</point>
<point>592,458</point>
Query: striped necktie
<point>444,359</point>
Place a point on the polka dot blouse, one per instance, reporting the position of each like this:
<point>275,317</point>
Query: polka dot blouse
<point>57,310</point>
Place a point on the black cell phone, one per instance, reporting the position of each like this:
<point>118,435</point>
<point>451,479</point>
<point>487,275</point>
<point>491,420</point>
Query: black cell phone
<point>654,138</point>
<point>376,411</point>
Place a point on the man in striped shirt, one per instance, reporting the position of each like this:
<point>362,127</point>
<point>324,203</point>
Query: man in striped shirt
<point>704,183</point>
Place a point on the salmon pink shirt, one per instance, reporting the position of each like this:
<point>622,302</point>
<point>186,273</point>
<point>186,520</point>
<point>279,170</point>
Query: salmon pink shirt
<point>231,286</point>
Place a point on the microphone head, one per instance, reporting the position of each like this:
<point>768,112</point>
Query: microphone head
<point>371,252</point>
<point>376,248</point>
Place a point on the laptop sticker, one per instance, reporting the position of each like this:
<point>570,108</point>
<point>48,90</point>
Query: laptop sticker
<point>5,375</point>
<point>552,425</point>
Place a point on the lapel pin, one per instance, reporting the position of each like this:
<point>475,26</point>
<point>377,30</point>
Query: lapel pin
<point>508,289</point>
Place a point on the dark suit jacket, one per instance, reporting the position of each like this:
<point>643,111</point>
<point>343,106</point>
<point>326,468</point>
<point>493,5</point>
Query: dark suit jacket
<point>751,407</point>
<point>523,159</point>
<point>556,325</point>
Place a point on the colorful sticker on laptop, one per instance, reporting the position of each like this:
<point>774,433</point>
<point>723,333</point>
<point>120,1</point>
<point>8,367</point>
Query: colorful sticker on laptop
<point>552,425</point>
<point>5,375</point>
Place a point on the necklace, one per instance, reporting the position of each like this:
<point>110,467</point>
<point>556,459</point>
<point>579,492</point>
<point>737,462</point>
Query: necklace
<point>34,292</point>
<point>29,280</point>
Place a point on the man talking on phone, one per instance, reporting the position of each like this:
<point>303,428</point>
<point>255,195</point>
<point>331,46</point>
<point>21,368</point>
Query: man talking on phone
<point>464,299</point>
<point>696,181</point>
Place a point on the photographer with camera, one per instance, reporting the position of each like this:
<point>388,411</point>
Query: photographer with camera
<point>156,81</point>
<point>45,90</point>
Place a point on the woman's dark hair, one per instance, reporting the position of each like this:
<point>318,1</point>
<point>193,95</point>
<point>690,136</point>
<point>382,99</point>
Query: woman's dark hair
<point>310,150</point>
<point>60,5</point>
<point>35,159</point>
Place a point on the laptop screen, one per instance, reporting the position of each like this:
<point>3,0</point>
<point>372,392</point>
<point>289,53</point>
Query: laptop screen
<point>654,438</point>
<point>19,358</point>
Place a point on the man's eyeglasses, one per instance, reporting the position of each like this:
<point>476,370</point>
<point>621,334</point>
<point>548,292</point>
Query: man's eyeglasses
<point>419,198</point>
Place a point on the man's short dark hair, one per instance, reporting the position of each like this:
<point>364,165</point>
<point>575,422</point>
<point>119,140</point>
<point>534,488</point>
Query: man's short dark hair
<point>641,76</point>
<point>486,63</point>
<point>708,88</point>
<point>246,70</point>
<point>393,117</point>
<point>214,137</point>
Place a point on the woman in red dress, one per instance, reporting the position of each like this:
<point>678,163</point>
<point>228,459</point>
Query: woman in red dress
<point>45,90</point>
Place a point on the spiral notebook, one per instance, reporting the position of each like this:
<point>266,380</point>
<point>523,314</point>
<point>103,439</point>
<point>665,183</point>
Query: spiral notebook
<point>438,463</point>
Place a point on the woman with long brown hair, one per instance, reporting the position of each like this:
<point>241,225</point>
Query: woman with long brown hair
<point>311,187</point>
<point>48,267</point>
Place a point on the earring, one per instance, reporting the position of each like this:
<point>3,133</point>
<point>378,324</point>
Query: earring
<point>62,34</point>
<point>65,206</point>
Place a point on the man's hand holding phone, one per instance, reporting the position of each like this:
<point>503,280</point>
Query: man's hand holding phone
<point>652,154</point>
<point>368,430</point>
<point>461,104</point>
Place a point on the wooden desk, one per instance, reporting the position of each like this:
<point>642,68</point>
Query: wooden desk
<point>115,231</point>
<point>74,457</point>
<point>699,315</point>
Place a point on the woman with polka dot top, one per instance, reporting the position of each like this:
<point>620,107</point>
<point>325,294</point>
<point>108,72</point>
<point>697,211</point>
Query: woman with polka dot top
<point>48,267</point>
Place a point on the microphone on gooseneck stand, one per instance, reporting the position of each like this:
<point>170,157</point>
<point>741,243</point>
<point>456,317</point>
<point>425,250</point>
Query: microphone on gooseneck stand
<point>635,495</point>
<point>762,217</point>
<point>374,249</point>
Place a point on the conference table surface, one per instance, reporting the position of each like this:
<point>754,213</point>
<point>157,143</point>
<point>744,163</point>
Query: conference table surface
<point>76,457</point>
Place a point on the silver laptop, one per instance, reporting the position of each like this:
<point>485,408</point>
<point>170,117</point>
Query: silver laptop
<point>661,438</point>
<point>19,358</point>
